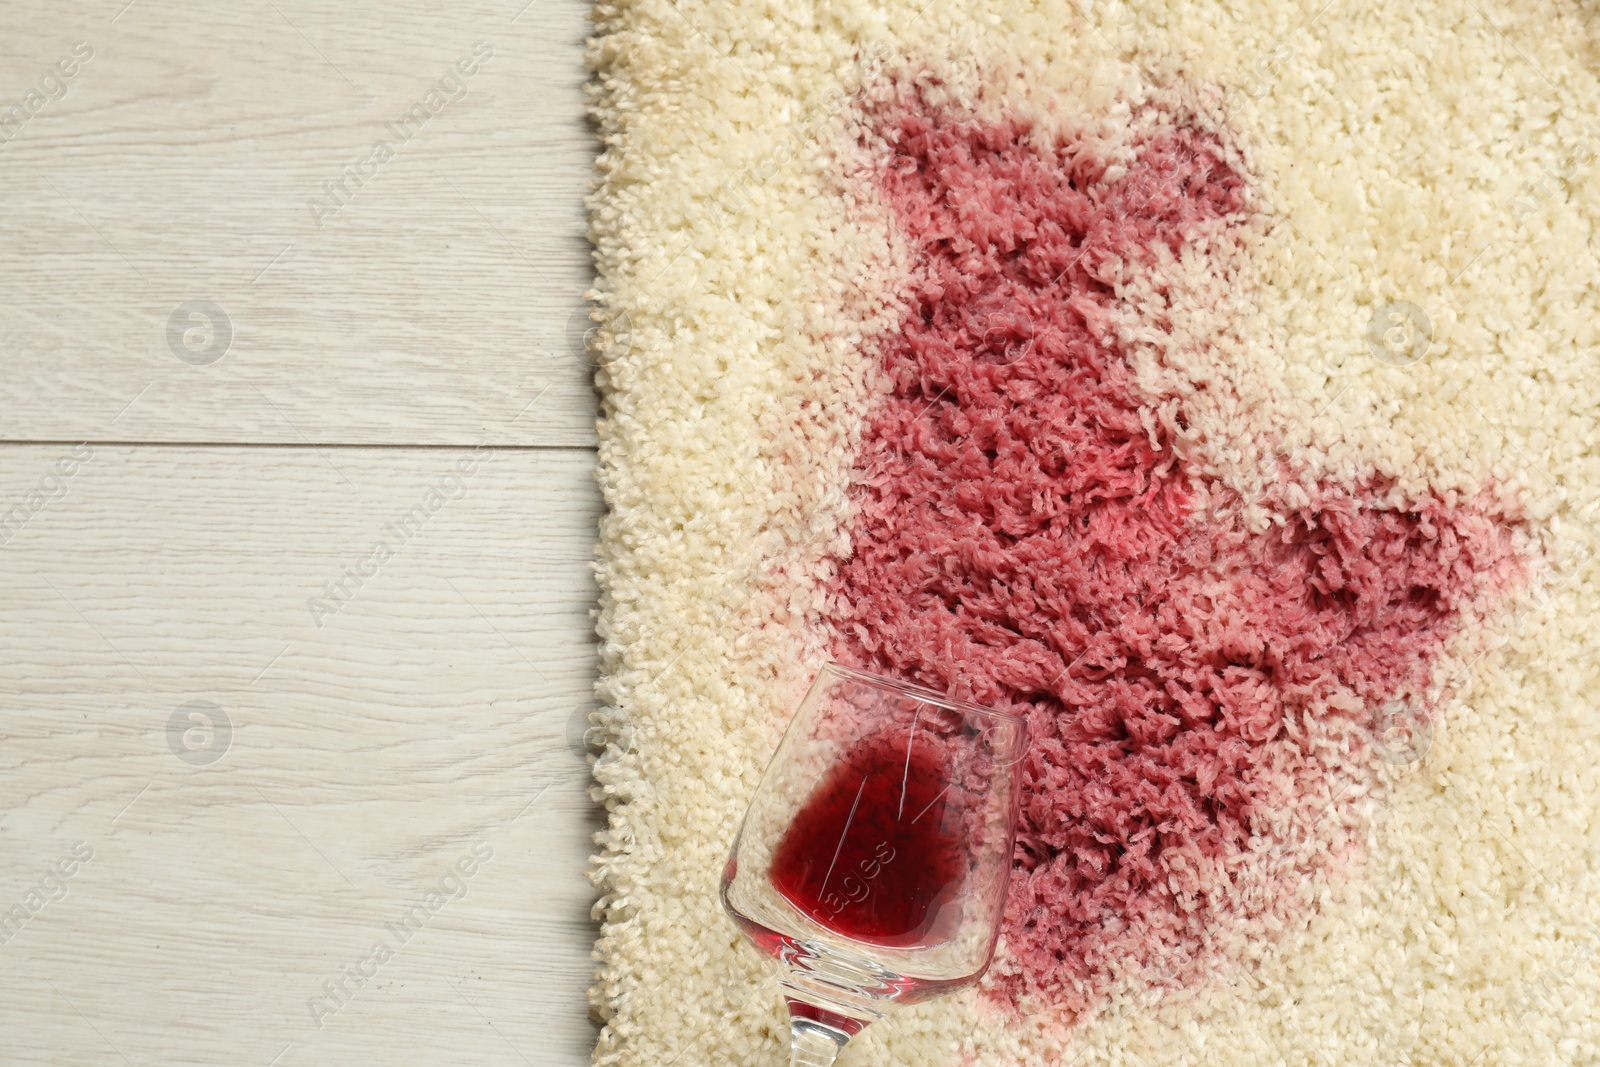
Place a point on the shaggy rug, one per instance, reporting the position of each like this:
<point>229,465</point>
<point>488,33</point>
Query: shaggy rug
<point>1217,386</point>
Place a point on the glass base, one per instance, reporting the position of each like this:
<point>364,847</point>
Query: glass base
<point>814,1044</point>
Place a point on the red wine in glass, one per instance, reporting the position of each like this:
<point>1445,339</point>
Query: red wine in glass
<point>876,854</point>
<point>872,862</point>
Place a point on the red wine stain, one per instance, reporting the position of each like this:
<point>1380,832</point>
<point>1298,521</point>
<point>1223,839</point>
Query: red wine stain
<point>877,852</point>
<point>1024,536</point>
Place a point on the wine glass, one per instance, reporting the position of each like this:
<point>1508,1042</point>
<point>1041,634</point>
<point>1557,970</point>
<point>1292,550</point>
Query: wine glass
<point>873,859</point>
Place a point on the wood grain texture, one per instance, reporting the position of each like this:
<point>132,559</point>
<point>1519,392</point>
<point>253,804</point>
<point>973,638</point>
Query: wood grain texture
<point>192,157</point>
<point>432,711</point>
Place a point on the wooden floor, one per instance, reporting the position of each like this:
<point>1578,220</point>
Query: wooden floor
<point>296,511</point>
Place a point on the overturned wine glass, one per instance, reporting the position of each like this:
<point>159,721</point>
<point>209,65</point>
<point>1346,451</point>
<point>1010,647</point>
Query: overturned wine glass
<point>873,859</point>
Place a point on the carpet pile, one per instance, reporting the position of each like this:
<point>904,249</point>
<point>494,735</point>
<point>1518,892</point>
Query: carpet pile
<point>1214,385</point>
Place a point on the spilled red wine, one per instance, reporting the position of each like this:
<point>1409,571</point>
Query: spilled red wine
<point>878,851</point>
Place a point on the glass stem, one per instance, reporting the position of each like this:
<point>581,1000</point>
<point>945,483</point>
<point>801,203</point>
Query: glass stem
<point>813,1044</point>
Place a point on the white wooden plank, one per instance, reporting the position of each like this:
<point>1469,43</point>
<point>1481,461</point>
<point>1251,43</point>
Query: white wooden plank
<point>179,164</point>
<point>430,712</point>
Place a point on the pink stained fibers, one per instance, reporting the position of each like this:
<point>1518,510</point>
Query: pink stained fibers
<point>1026,537</point>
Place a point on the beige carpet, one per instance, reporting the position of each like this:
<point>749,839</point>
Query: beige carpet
<point>1393,317</point>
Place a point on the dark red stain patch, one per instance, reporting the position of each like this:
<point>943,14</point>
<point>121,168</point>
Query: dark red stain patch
<point>1026,537</point>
